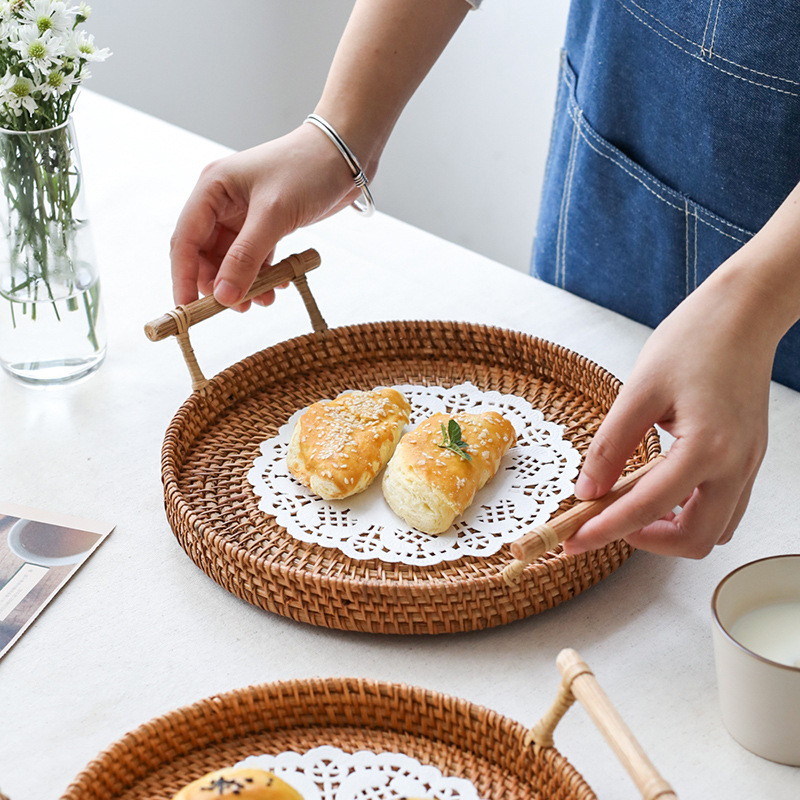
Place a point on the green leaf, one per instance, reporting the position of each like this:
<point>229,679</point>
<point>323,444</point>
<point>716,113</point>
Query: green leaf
<point>451,440</point>
<point>454,431</point>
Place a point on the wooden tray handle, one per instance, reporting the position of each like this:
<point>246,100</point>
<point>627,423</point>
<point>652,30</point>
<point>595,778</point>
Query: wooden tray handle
<point>178,321</point>
<point>546,537</point>
<point>578,681</point>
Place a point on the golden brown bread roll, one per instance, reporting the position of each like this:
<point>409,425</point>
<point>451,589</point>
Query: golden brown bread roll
<point>241,783</point>
<point>339,446</point>
<point>428,485</point>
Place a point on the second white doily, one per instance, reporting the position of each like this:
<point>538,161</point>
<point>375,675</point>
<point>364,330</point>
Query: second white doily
<point>534,477</point>
<point>328,773</point>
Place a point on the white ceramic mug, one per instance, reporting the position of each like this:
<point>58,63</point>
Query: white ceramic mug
<point>759,695</point>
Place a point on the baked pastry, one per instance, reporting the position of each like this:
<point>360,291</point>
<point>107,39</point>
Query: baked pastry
<point>439,466</point>
<point>241,783</point>
<point>339,446</point>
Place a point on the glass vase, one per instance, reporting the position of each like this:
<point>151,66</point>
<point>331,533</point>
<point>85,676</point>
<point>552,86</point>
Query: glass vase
<point>52,329</point>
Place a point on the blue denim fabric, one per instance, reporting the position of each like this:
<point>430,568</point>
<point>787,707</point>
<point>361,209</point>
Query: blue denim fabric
<point>675,138</point>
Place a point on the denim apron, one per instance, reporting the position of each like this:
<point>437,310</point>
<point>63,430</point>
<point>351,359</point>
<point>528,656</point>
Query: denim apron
<point>676,136</point>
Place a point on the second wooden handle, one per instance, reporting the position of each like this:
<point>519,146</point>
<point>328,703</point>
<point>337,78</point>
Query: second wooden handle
<point>584,686</point>
<point>536,543</point>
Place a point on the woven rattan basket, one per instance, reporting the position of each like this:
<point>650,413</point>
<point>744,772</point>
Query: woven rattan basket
<point>503,759</point>
<point>213,439</point>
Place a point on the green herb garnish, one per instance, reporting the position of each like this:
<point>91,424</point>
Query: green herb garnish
<point>451,440</point>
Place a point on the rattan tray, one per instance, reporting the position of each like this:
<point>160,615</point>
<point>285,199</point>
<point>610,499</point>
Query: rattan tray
<point>213,439</point>
<point>499,756</point>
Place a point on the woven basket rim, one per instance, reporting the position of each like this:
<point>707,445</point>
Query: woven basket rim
<point>171,733</point>
<point>199,413</point>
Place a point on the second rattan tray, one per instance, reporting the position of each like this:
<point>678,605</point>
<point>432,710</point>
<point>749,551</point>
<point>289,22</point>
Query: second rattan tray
<point>497,755</point>
<point>213,439</point>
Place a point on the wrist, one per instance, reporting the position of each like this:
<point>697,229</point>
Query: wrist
<point>366,137</point>
<point>766,270</point>
<point>385,52</point>
<point>365,204</point>
<point>764,275</point>
<point>749,287</point>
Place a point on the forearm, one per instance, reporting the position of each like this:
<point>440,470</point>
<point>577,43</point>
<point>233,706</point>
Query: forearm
<point>762,279</point>
<point>387,49</point>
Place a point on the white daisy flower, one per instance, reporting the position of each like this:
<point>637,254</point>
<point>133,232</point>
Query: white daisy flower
<point>82,46</point>
<point>84,12</point>
<point>43,50</point>
<point>6,28</point>
<point>48,15</point>
<point>15,93</point>
<point>58,83</point>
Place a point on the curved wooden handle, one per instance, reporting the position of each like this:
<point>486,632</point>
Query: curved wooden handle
<point>579,682</point>
<point>545,537</point>
<point>273,275</point>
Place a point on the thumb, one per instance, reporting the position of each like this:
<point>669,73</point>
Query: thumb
<point>624,427</point>
<point>245,256</point>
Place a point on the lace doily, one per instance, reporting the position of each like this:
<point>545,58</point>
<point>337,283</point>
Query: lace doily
<point>534,477</point>
<point>328,773</point>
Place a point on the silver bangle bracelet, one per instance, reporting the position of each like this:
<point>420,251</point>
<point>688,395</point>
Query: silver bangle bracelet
<point>365,204</point>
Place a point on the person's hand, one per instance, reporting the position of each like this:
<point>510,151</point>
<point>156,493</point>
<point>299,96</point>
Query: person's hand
<point>704,377</point>
<point>244,204</point>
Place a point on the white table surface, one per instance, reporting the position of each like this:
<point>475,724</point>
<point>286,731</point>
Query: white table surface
<point>128,638</point>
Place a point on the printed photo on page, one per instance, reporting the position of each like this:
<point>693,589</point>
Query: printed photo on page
<point>39,553</point>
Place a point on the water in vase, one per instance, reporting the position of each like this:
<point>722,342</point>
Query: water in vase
<point>52,341</point>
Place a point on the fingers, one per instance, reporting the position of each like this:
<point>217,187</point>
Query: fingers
<point>643,517</point>
<point>194,232</point>
<point>738,513</point>
<point>245,256</point>
<point>624,427</point>
<point>654,497</point>
<point>195,236</point>
<point>244,204</point>
<point>698,528</point>
<point>221,240</point>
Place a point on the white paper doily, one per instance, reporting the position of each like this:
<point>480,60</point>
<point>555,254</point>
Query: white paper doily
<point>328,773</point>
<point>534,477</point>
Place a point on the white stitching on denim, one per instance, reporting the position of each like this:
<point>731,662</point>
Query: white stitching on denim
<point>561,216</point>
<point>572,104</point>
<point>686,237</point>
<point>755,71</point>
<point>573,108</point>
<point>705,30</point>
<point>624,168</point>
<point>567,77</point>
<point>692,42</point>
<point>719,230</point>
<point>695,247</point>
<point>694,55</point>
<point>714,66</point>
<point>566,214</point>
<point>714,32</point>
<point>662,23</point>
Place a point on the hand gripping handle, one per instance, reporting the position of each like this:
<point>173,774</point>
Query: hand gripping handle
<point>543,538</point>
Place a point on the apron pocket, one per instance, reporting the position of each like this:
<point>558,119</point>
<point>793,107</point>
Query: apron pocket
<point>613,233</point>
